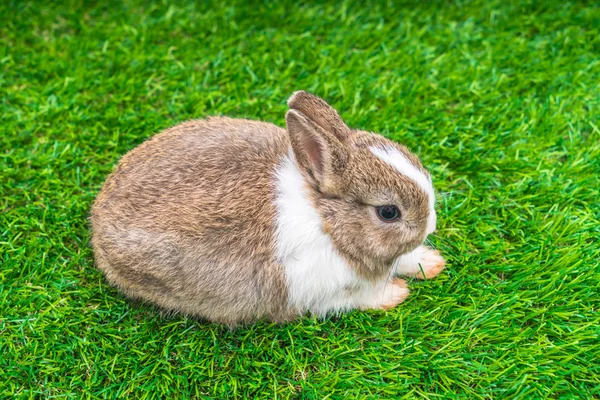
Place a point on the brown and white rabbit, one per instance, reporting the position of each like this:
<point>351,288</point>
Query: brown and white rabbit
<point>234,220</point>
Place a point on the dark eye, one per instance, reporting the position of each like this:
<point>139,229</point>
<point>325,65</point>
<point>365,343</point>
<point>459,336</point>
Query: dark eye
<point>388,213</point>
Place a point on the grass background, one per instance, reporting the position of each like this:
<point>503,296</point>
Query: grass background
<point>500,99</point>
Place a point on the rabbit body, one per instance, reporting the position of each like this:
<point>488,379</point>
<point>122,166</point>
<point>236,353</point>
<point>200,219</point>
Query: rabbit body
<point>234,220</point>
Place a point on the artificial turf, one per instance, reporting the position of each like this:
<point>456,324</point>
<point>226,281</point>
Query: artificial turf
<point>501,100</point>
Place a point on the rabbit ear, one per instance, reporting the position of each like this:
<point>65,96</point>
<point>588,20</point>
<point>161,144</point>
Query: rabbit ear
<point>321,113</point>
<point>318,152</point>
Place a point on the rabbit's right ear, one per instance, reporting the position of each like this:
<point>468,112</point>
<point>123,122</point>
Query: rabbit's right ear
<point>321,113</point>
<point>318,152</point>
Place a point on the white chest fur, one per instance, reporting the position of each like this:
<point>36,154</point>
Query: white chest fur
<point>317,276</point>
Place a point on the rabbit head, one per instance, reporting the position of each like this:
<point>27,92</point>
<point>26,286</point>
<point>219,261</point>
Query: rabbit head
<point>374,196</point>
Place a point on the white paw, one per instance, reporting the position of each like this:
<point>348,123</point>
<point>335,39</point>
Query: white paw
<point>431,263</point>
<point>421,263</point>
<point>394,293</point>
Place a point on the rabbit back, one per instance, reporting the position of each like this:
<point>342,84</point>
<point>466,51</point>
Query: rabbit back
<point>186,221</point>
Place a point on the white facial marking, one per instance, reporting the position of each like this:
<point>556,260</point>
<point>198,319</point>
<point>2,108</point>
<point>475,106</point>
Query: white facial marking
<point>402,164</point>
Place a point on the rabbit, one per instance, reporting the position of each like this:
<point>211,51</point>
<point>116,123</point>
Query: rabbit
<point>235,221</point>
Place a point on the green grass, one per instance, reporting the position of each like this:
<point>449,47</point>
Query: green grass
<point>501,100</point>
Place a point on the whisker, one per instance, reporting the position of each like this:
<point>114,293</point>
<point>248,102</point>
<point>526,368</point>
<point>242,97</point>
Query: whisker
<point>388,280</point>
<point>430,243</point>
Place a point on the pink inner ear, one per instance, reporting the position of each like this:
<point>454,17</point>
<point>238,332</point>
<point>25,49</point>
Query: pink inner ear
<point>314,151</point>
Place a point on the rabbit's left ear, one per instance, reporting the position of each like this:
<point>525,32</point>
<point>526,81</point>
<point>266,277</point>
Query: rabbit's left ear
<point>319,112</point>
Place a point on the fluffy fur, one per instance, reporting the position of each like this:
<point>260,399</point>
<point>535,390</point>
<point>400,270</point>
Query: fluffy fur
<point>235,220</point>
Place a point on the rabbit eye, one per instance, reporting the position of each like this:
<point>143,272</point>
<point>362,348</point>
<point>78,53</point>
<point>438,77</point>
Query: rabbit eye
<point>388,213</point>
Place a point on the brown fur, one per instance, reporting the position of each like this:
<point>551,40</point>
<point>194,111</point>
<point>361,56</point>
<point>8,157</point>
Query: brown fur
<point>186,220</point>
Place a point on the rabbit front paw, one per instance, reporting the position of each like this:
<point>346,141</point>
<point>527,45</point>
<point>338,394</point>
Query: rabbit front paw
<point>422,263</point>
<point>394,293</point>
